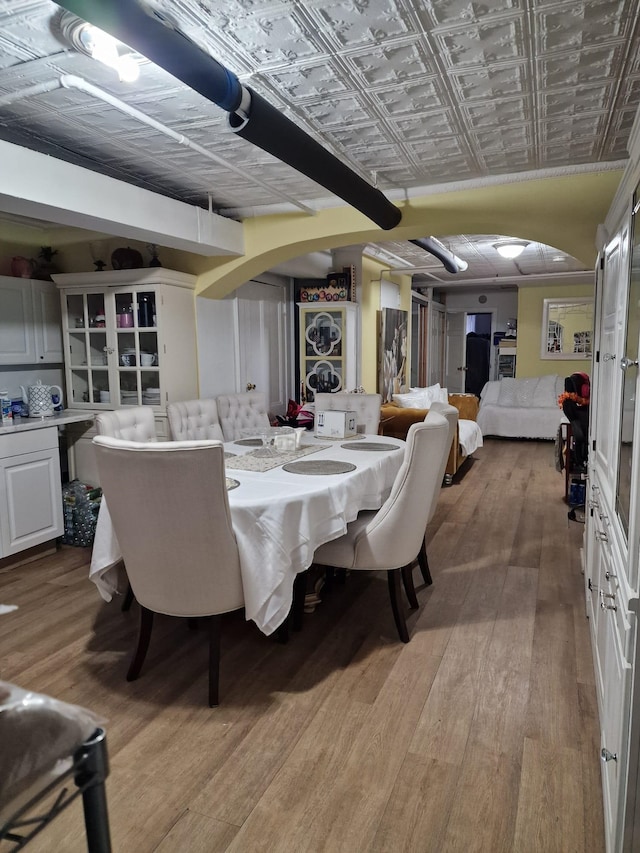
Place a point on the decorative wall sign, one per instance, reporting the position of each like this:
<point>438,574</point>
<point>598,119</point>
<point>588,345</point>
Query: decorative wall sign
<point>339,288</point>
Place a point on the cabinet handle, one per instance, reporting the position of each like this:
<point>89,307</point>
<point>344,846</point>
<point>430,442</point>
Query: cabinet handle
<point>605,755</point>
<point>608,356</point>
<point>625,363</point>
<point>608,575</point>
<point>601,536</point>
<point>108,350</point>
<point>251,386</point>
<point>604,606</point>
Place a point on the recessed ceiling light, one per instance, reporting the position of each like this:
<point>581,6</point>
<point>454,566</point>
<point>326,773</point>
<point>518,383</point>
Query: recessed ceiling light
<point>511,250</point>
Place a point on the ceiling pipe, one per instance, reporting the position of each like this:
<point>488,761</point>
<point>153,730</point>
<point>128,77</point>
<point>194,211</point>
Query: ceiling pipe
<point>250,116</point>
<point>452,263</point>
<point>70,81</point>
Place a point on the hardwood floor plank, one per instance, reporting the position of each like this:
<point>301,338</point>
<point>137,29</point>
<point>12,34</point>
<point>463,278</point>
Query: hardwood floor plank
<point>553,715</point>
<point>197,834</point>
<point>417,812</point>
<point>503,689</point>
<point>485,805</point>
<point>550,803</point>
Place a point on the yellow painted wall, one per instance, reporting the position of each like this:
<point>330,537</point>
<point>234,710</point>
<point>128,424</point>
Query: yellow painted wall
<point>369,307</point>
<point>530,305</point>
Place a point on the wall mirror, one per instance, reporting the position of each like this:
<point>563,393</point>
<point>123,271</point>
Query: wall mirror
<point>567,328</point>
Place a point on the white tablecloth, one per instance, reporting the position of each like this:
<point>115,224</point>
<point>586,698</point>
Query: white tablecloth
<point>279,519</point>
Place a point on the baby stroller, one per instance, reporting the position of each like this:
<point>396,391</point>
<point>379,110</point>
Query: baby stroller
<point>575,405</point>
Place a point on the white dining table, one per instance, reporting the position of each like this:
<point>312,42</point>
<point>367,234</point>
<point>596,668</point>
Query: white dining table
<point>279,519</point>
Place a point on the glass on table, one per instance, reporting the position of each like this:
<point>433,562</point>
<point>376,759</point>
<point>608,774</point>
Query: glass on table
<point>275,440</point>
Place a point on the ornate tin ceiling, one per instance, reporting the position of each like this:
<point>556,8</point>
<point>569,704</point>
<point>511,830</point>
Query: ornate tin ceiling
<point>408,93</point>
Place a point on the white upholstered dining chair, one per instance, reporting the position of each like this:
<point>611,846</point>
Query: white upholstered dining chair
<point>239,412</point>
<point>133,424</point>
<point>391,537</point>
<point>170,512</point>
<point>451,414</point>
<point>366,406</point>
<point>194,419</point>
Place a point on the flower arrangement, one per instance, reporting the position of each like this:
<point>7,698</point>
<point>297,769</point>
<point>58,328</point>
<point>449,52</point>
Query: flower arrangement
<point>576,398</point>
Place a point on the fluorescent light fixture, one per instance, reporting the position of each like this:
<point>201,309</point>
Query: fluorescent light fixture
<point>510,250</point>
<point>106,49</point>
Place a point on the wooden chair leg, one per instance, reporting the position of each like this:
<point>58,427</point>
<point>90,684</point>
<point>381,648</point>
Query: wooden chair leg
<point>297,608</point>
<point>395,594</point>
<point>128,599</point>
<point>423,562</point>
<point>214,660</point>
<point>409,588</point>
<point>144,635</point>
<point>282,632</point>
<point>329,578</point>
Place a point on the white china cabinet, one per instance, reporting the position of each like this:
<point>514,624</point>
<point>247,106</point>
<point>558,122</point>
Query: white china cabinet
<point>129,340</point>
<point>327,347</point>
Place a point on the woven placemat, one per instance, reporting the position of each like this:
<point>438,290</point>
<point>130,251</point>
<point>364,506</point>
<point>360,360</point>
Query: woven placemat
<point>371,445</point>
<point>319,466</point>
<point>249,442</point>
<point>232,484</point>
<point>251,462</point>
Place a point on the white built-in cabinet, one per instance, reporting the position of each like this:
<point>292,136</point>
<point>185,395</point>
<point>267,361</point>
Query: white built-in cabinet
<point>30,326</point>
<point>129,340</point>
<point>612,529</point>
<point>243,345</point>
<point>30,500</point>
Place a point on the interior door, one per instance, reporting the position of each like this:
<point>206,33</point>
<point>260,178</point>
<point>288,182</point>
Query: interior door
<point>456,365</point>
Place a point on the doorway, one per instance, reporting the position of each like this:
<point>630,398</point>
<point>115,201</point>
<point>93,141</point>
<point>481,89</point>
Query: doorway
<point>478,351</point>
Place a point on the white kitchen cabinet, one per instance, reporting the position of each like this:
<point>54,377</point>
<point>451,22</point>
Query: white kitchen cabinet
<point>47,322</point>
<point>30,325</point>
<point>30,490</point>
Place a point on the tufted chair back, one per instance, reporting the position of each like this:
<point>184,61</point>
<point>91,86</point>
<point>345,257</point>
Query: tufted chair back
<point>451,414</point>
<point>131,424</point>
<point>194,419</point>
<point>238,412</point>
<point>366,406</point>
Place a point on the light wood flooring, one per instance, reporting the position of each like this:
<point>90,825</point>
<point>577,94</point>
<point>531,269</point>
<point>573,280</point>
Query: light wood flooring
<point>479,735</point>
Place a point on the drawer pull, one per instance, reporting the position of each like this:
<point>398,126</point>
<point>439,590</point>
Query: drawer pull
<point>608,575</point>
<point>605,755</point>
<point>601,536</point>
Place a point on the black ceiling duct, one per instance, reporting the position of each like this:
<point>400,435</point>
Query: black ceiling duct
<point>452,263</point>
<point>250,116</point>
<point>270,130</point>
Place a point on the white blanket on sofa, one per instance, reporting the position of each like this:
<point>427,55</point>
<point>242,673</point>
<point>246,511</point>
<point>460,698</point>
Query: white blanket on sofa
<point>521,408</point>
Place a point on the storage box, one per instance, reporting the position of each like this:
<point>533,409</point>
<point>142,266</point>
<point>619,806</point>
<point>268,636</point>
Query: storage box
<point>336,424</point>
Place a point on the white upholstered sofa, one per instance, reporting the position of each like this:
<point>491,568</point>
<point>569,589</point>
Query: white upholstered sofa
<point>521,408</point>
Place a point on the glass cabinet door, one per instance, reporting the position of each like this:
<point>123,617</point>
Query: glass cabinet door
<point>113,357</point>
<point>629,364</point>
<point>137,353</point>
<point>88,351</point>
<point>322,351</point>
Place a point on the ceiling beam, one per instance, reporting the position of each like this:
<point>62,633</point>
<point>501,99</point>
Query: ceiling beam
<point>43,187</point>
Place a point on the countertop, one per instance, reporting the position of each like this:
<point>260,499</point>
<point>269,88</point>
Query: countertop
<point>59,419</point>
